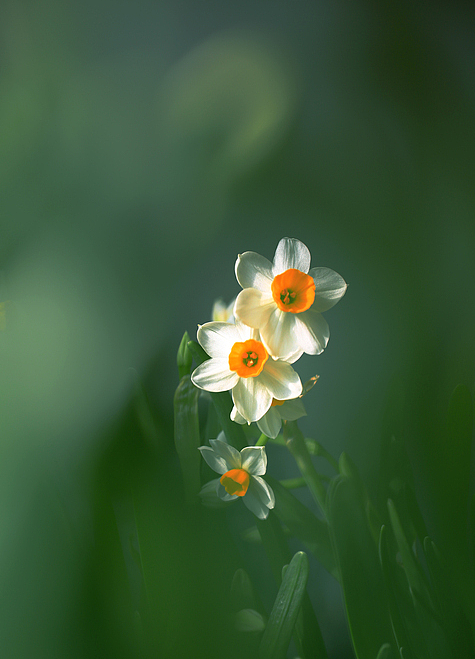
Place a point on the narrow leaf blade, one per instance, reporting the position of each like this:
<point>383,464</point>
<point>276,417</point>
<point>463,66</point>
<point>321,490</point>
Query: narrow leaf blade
<point>279,629</point>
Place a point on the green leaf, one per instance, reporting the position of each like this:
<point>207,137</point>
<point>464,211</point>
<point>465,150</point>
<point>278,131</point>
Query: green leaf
<point>415,576</point>
<point>279,629</point>
<point>400,602</point>
<point>307,635</point>
<point>360,571</point>
<point>304,525</point>
<point>456,625</point>
<point>427,627</point>
<point>187,435</point>
<point>184,357</point>
<point>315,448</point>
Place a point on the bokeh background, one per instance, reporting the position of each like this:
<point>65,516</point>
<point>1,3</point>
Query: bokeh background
<point>142,147</point>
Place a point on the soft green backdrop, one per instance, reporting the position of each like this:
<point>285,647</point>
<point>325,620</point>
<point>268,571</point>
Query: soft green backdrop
<point>142,147</point>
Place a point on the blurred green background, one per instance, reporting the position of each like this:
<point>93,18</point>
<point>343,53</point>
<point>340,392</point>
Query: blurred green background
<point>142,147</point>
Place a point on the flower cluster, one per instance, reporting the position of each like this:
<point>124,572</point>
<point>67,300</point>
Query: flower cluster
<point>276,318</point>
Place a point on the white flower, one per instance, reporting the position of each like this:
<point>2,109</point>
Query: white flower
<point>240,362</point>
<point>284,299</point>
<point>271,423</point>
<point>223,313</point>
<point>240,475</point>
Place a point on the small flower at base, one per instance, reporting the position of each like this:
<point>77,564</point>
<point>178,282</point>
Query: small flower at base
<point>241,473</point>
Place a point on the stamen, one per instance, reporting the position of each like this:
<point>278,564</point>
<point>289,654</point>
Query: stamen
<point>247,358</point>
<point>251,359</point>
<point>287,297</point>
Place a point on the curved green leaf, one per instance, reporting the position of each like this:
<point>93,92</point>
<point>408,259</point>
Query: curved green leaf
<point>187,435</point>
<point>415,575</point>
<point>280,626</point>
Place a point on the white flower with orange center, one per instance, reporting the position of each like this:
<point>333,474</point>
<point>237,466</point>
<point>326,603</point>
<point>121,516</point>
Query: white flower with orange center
<point>240,363</point>
<point>284,300</point>
<point>240,475</point>
<point>280,410</point>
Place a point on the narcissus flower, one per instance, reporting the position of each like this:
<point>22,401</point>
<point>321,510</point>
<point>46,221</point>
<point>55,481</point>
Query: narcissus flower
<point>240,363</point>
<point>284,299</point>
<point>240,475</point>
<point>271,423</point>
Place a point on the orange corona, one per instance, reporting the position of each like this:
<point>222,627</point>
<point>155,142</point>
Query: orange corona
<point>235,481</point>
<point>247,358</point>
<point>293,291</point>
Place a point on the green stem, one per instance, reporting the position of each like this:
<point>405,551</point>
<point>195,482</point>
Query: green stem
<point>296,444</point>
<point>315,448</point>
<point>293,483</point>
<point>262,441</point>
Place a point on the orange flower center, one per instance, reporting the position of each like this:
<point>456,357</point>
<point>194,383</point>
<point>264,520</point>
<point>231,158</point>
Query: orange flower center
<point>293,291</point>
<point>247,358</point>
<point>235,481</point>
<point>276,402</point>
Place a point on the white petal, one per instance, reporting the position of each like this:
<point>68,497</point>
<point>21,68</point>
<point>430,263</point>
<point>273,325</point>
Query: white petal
<point>271,423</point>
<point>254,271</point>
<point>213,460</point>
<point>209,495</point>
<point>235,416</point>
<point>293,358</point>
<point>312,331</point>
<point>209,488</point>
<point>280,379</point>
<point>263,490</point>
<point>254,460</point>
<point>222,494</point>
<point>251,398</point>
<point>329,288</point>
<point>278,335</point>
<point>222,437</point>
<point>214,375</point>
<point>252,501</point>
<point>292,410</point>
<point>291,253</point>
<point>230,455</point>
<point>253,308</point>
<point>217,339</point>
